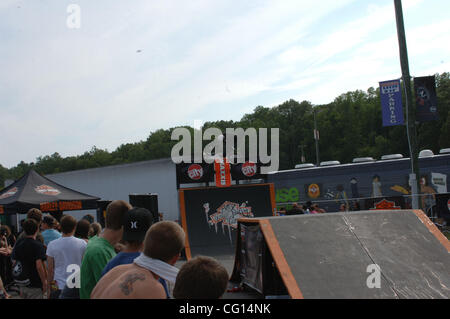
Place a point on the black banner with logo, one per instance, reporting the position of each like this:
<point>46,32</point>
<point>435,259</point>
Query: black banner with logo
<point>426,99</point>
<point>247,170</point>
<point>188,173</point>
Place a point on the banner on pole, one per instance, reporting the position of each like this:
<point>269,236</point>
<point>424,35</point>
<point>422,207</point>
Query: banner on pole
<point>316,134</point>
<point>426,99</point>
<point>223,173</point>
<point>391,103</point>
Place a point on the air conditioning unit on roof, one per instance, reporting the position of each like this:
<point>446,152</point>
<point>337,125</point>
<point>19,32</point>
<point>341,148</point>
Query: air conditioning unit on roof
<point>426,153</point>
<point>330,163</point>
<point>391,157</point>
<point>305,165</point>
<point>363,159</point>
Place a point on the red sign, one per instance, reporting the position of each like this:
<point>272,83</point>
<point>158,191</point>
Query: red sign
<point>195,172</point>
<point>49,207</point>
<point>2,211</point>
<point>385,205</point>
<point>249,169</point>
<point>57,206</point>
<point>223,173</point>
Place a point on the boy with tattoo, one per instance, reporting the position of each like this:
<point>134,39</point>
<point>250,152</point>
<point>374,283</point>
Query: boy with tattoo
<point>135,225</point>
<point>162,247</point>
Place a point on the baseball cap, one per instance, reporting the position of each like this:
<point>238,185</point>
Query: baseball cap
<point>136,222</point>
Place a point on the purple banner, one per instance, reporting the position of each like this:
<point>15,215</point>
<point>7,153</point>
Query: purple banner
<point>426,100</point>
<point>391,103</point>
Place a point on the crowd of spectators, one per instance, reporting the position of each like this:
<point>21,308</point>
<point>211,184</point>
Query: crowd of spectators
<point>313,208</point>
<point>131,257</point>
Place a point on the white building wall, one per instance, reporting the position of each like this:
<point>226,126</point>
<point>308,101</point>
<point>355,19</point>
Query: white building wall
<point>119,181</point>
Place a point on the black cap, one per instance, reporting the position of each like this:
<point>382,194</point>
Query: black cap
<point>136,223</point>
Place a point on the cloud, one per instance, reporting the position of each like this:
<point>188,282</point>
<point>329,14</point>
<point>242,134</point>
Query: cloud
<point>65,90</point>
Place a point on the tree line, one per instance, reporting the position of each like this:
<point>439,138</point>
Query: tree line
<point>350,126</point>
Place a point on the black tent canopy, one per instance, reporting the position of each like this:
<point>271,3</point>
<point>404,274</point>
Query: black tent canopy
<point>36,191</point>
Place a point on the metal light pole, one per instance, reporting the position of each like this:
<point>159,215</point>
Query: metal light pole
<point>410,114</point>
<point>316,137</point>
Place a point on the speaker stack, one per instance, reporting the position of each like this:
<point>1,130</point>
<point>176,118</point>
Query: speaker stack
<point>101,211</point>
<point>148,201</point>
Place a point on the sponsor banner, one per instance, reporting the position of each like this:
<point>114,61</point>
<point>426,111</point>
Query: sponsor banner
<point>194,173</point>
<point>391,103</point>
<point>61,206</point>
<point>247,170</point>
<point>188,173</point>
<point>385,203</point>
<point>223,173</point>
<point>426,99</point>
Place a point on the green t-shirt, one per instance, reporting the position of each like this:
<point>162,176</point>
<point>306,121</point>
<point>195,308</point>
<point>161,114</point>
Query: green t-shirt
<point>98,253</point>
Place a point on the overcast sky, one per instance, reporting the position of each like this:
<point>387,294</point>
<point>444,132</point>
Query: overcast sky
<point>136,66</point>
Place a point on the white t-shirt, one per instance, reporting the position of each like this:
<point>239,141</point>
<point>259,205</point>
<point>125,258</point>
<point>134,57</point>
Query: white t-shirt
<point>65,251</point>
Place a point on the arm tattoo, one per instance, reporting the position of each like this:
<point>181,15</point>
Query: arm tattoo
<point>127,285</point>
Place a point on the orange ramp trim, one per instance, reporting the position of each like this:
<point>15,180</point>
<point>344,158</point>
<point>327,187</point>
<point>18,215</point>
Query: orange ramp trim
<point>278,256</point>
<point>433,229</point>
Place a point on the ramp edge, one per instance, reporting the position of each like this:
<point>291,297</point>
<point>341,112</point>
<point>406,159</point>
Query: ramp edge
<point>280,261</point>
<point>432,228</point>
